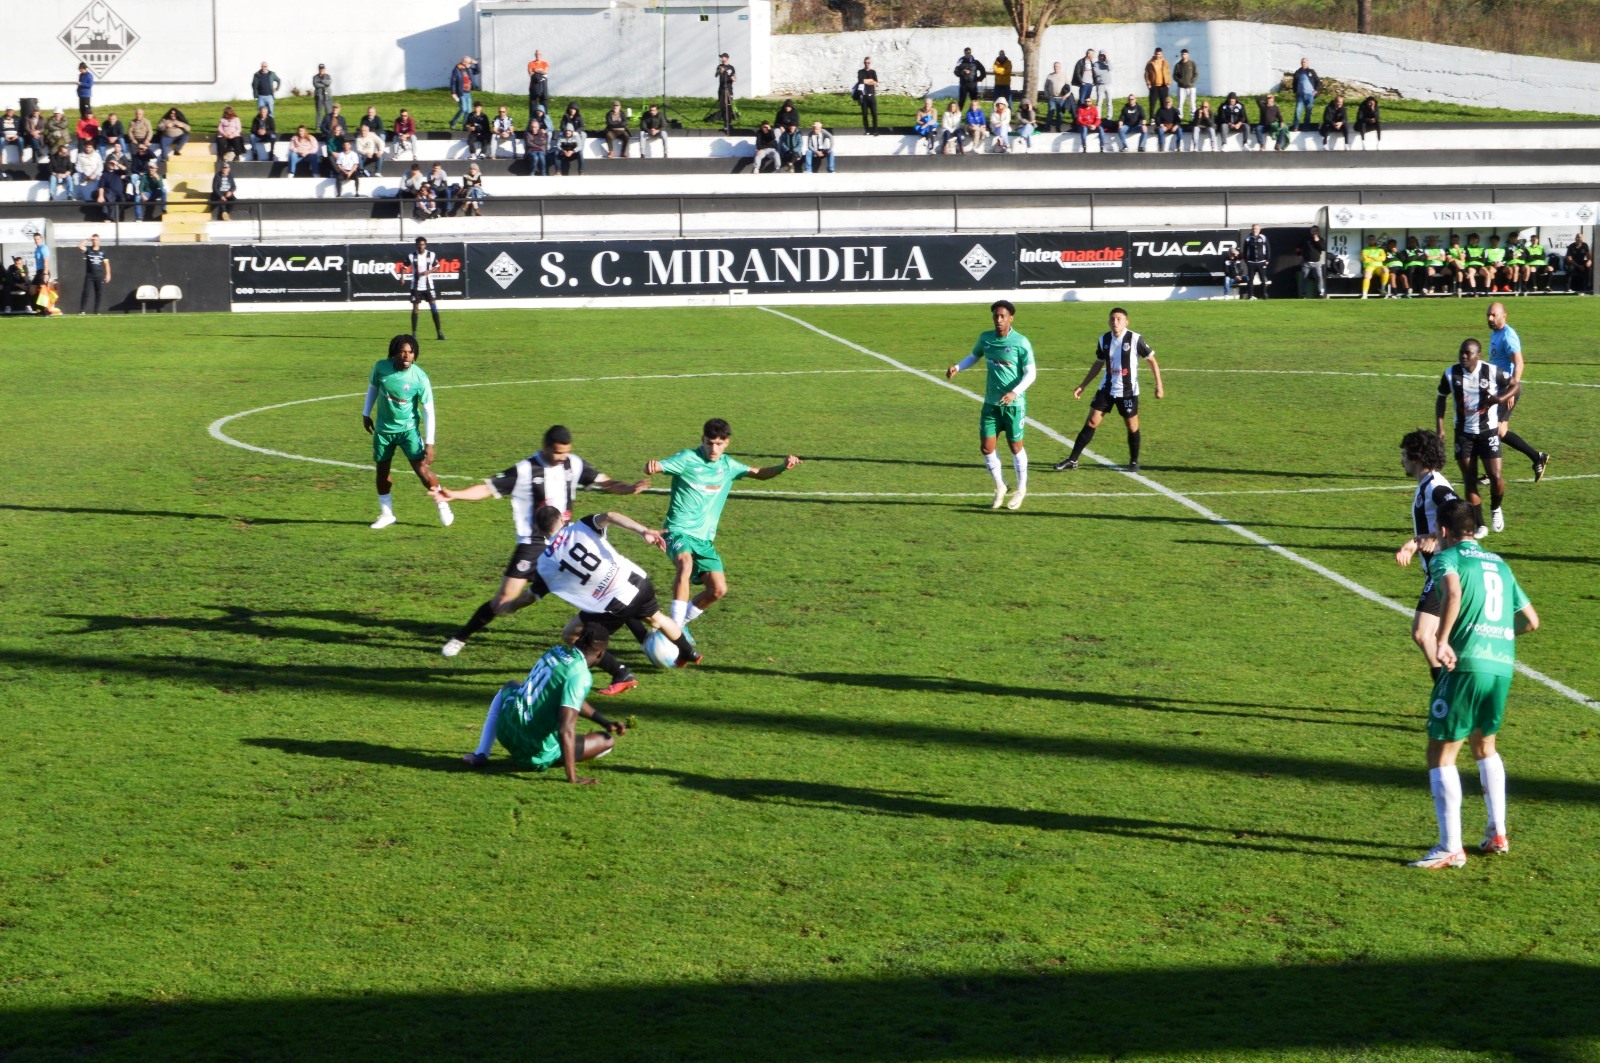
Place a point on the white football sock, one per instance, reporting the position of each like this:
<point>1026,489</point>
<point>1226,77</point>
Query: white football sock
<point>680,611</point>
<point>386,503</point>
<point>1492,773</point>
<point>486,740</point>
<point>1019,462</point>
<point>1445,783</point>
<point>992,463</point>
<point>693,611</point>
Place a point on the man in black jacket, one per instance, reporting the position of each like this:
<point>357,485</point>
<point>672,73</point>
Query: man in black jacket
<point>969,75</point>
<point>1231,121</point>
<point>867,95</point>
<point>1306,87</point>
<point>1257,256</point>
<point>1335,122</point>
<point>1129,119</point>
<point>264,87</point>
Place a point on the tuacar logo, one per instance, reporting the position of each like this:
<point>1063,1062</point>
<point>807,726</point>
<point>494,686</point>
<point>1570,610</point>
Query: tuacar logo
<point>291,264</point>
<point>1075,258</point>
<point>1185,249</point>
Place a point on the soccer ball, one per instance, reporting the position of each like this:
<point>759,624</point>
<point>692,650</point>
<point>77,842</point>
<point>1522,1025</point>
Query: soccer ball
<point>661,650</point>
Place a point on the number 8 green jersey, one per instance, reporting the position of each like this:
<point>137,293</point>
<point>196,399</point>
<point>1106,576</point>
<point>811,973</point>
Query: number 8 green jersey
<point>1485,633</point>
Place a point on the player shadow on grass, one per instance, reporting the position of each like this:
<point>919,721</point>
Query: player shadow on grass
<point>257,623</point>
<point>391,756</point>
<point>804,793</point>
<point>231,518</point>
<point>1249,470</point>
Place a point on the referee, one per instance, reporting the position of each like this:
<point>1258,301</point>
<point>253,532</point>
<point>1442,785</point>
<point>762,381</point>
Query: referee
<point>96,272</point>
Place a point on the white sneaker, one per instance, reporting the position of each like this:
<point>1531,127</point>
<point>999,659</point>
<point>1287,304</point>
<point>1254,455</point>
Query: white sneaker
<point>1493,843</point>
<point>447,517</point>
<point>1481,533</point>
<point>453,647</point>
<point>1498,521</point>
<point>1016,498</point>
<point>999,497</point>
<point>1438,858</point>
<point>385,519</point>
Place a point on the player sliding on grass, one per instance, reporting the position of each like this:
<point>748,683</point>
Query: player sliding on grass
<point>1484,612</point>
<point>397,389</point>
<point>1422,456</point>
<point>1008,357</point>
<point>1118,354</point>
<point>701,480</point>
<point>1479,390</point>
<point>536,720</point>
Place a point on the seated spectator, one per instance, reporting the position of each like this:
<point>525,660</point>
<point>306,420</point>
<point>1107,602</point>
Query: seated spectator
<point>113,191</point>
<point>413,182</point>
<point>11,131</point>
<point>786,114</point>
<point>151,191</point>
<point>1372,265</point>
<point>33,137</point>
<point>346,167</point>
<point>1394,260</point>
<point>86,175</point>
<point>1131,119</point>
<point>439,184</point>
<point>112,132</point>
<point>536,144</point>
<point>333,131</point>
<point>1203,127</point>
<point>1027,123</point>
<point>57,134</point>
<point>61,173</point>
<point>952,128</point>
<point>1272,126</point>
<point>426,207</point>
<point>142,140</point>
<point>1088,121</point>
<point>374,123</point>
<point>224,190</point>
<point>404,137</point>
<point>977,124</point>
<point>472,192</point>
<point>174,131</point>
<point>1235,273</point>
<point>1335,122</point>
<point>263,135</point>
<point>926,126</point>
<point>479,132</point>
<point>652,130</point>
<point>792,149</point>
<point>819,148</point>
<point>766,148</point>
<point>88,132</point>
<point>1169,126</point>
<point>569,150</point>
<point>1000,126</point>
<point>1368,121</point>
<point>303,150</point>
<point>230,136</point>
<point>1579,261</point>
<point>504,131</point>
<point>615,130</point>
<point>573,117</point>
<point>1231,122</point>
<point>369,145</point>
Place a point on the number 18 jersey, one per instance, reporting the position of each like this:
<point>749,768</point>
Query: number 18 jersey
<point>583,569</point>
<point>1485,633</point>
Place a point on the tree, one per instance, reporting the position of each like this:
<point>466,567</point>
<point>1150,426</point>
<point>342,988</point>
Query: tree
<point>1030,18</point>
<point>1363,16</point>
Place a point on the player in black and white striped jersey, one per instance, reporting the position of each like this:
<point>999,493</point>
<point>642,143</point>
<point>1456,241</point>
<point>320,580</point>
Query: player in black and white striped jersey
<point>1479,389</point>
<point>1118,355</point>
<point>1422,456</point>
<point>424,264</point>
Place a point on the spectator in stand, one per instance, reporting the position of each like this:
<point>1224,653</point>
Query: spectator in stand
<point>369,146</point>
<point>346,167</point>
<point>1000,69</point>
<point>969,77</point>
<point>479,132</point>
<point>1000,127</point>
<point>766,148</point>
<point>819,148</point>
<point>1231,122</point>
<point>1369,121</point>
<point>538,83</point>
<point>1272,126</point>
<point>926,125</point>
<point>33,136</point>
<point>1394,260</point>
<point>1027,123</point>
<point>141,139</point>
<point>786,114</point>
<point>569,149</point>
<point>1417,271</point>
<point>726,75</point>
<point>1234,271</point>
<point>1579,261</point>
<point>439,184</point>
<point>1313,258</point>
<point>1056,91</point>
<point>373,122</point>
<point>224,190</point>
<point>413,182</point>
<point>404,135</point>
<point>1203,129</point>
<point>1102,83</point>
<point>113,132</point>
<point>1132,119</point>
<point>88,133</point>
<point>1335,122</point>
<point>57,133</point>
<point>230,135</point>
<point>1158,79</point>
<point>1257,258</point>
<point>264,87</point>
<point>463,77</point>
<point>1186,75</point>
<point>426,208</point>
<point>977,124</point>
<point>652,130</point>
<point>616,130</point>
<point>114,184</point>
<point>505,133</point>
<point>1494,258</point>
<point>152,195</point>
<point>951,128</point>
<point>574,118</point>
<point>1169,126</point>
<point>263,135</point>
<point>303,149</point>
<point>334,132</point>
<point>61,173</point>
<point>1088,121</point>
<point>1083,77</point>
<point>536,145</point>
<point>86,175</point>
<point>85,89</point>
<point>322,94</point>
<point>866,93</point>
<point>1306,86</point>
<point>472,192</point>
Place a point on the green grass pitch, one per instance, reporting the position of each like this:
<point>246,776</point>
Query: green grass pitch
<point>1101,778</point>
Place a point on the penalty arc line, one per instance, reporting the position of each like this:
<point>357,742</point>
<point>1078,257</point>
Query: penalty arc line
<point>1190,504</point>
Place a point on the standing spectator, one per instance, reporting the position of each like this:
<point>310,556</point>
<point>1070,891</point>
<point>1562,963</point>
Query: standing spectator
<point>1186,75</point>
<point>152,195</point>
<point>1335,122</point>
<point>652,130</point>
<point>1158,79</point>
<point>174,130</point>
<point>1203,129</point>
<point>96,272</point>
<point>88,133</point>
<point>263,135</point>
<point>1056,89</point>
<point>819,147</point>
<point>1231,121</point>
<point>370,147</point>
<point>1272,126</point>
<point>346,167</point>
<point>977,125</point>
<point>57,133</point>
<point>926,126</point>
<point>786,114</point>
<point>1306,87</point>
<point>538,82</point>
<point>950,128</point>
<point>1001,70</point>
<point>505,133</point>
<point>792,148</point>
<point>1257,259</point>
<point>224,190</point>
<point>616,130</point>
<point>1579,261</point>
<point>405,135</point>
<point>303,148</point>
<point>478,131</point>
<point>726,75</point>
<point>472,192</point>
<point>1102,83</point>
<point>1083,76</point>
<point>1132,119</point>
<point>1368,121</point>
<point>766,147</point>
<point>969,76</point>
<point>1088,121</point>
<point>866,94</point>
<point>86,175</point>
<point>462,79</point>
<point>1313,256</point>
<point>536,145</point>
<point>33,136</point>
<point>264,87</point>
<point>322,94</point>
<point>85,88</point>
<point>230,136</point>
<point>1169,125</point>
<point>61,173</point>
<point>141,139</point>
<point>569,149</point>
<point>112,132</point>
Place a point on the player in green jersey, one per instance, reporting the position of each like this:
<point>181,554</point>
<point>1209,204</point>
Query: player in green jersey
<point>397,390</point>
<point>1008,356</point>
<point>701,479</point>
<point>536,719</point>
<point>1484,611</point>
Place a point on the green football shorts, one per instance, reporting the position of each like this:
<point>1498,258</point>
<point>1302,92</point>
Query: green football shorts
<point>407,439</point>
<point>529,747</point>
<point>706,558</point>
<point>1464,702</point>
<point>996,419</point>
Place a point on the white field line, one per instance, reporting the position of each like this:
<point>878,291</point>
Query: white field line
<point>1188,503</point>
